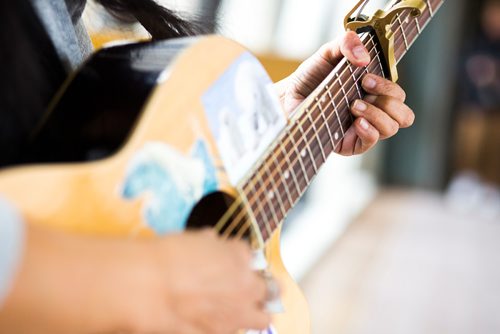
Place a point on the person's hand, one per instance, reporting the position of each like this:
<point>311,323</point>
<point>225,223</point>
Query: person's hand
<point>211,286</point>
<point>191,283</point>
<point>381,114</point>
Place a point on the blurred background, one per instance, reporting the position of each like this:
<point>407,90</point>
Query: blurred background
<point>405,239</point>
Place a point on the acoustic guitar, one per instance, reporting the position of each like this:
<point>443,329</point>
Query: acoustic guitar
<point>154,138</point>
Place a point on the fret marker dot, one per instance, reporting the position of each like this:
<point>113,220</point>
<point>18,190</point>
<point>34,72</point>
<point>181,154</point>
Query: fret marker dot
<point>303,153</point>
<point>270,195</point>
<point>323,99</point>
<point>407,20</point>
<point>286,175</point>
<point>336,136</point>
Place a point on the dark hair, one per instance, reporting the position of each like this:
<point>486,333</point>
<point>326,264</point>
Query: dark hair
<point>32,71</point>
<point>160,22</point>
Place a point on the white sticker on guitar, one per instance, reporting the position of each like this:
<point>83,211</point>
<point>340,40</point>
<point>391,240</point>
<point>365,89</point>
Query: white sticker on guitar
<point>244,114</point>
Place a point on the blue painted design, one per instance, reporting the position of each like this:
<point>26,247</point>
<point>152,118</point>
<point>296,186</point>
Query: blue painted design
<point>175,184</point>
<point>200,152</point>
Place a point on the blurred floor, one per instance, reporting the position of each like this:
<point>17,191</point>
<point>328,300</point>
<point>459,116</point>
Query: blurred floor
<point>409,265</point>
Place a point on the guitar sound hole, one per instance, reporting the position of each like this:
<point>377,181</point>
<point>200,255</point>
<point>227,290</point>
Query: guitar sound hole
<point>212,208</point>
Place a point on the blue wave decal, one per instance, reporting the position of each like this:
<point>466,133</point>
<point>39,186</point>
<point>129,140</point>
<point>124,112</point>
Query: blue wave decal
<point>173,183</point>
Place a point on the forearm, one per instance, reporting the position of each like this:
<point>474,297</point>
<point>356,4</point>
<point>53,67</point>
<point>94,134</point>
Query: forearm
<point>11,246</point>
<point>66,284</point>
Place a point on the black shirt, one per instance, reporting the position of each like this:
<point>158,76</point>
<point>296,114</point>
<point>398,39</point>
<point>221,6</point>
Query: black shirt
<point>40,44</point>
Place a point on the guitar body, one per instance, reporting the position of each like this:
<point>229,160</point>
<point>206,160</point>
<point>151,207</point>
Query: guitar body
<point>158,168</point>
<point>156,138</point>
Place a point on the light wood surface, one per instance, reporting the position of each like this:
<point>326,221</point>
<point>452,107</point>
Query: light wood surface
<point>85,198</point>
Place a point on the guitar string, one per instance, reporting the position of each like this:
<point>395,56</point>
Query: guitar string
<point>236,206</point>
<point>400,27</point>
<point>222,223</point>
<point>419,29</point>
<point>265,214</point>
<point>258,193</point>
<point>236,222</point>
<point>398,17</point>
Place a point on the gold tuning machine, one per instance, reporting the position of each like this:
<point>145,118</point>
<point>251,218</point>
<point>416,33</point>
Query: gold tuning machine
<point>381,23</point>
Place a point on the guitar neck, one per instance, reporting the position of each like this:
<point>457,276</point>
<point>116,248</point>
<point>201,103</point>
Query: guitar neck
<point>407,29</point>
<point>317,129</point>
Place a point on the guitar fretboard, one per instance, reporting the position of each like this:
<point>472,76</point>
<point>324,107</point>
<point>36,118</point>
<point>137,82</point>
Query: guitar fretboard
<point>318,128</point>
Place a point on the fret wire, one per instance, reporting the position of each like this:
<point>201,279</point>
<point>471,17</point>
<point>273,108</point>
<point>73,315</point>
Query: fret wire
<point>336,113</point>
<point>315,131</point>
<point>303,149</point>
<point>340,122</point>
<point>294,143</point>
<point>290,170</point>
<point>426,18</point>
<point>346,119</point>
<point>276,194</point>
<point>308,148</point>
<point>342,87</point>
<point>400,32</point>
<point>260,209</point>
<point>354,79</point>
<point>381,67</point>
<point>284,181</point>
<point>249,211</point>
<point>418,28</point>
<point>324,138</point>
<point>366,71</point>
<point>280,189</point>
<point>268,202</point>
<point>334,103</point>
<point>322,112</point>
<point>430,8</point>
<point>379,60</point>
<point>398,29</point>
<point>298,158</point>
<point>298,155</point>
<point>409,30</point>
<point>259,216</point>
<point>318,158</point>
<point>247,204</point>
<point>298,165</point>
<point>403,32</point>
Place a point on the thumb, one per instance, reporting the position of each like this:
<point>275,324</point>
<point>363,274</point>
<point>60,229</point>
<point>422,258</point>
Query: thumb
<point>349,45</point>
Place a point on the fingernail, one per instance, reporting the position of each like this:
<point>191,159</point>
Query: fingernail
<point>359,106</point>
<point>369,83</point>
<point>364,124</point>
<point>360,53</point>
